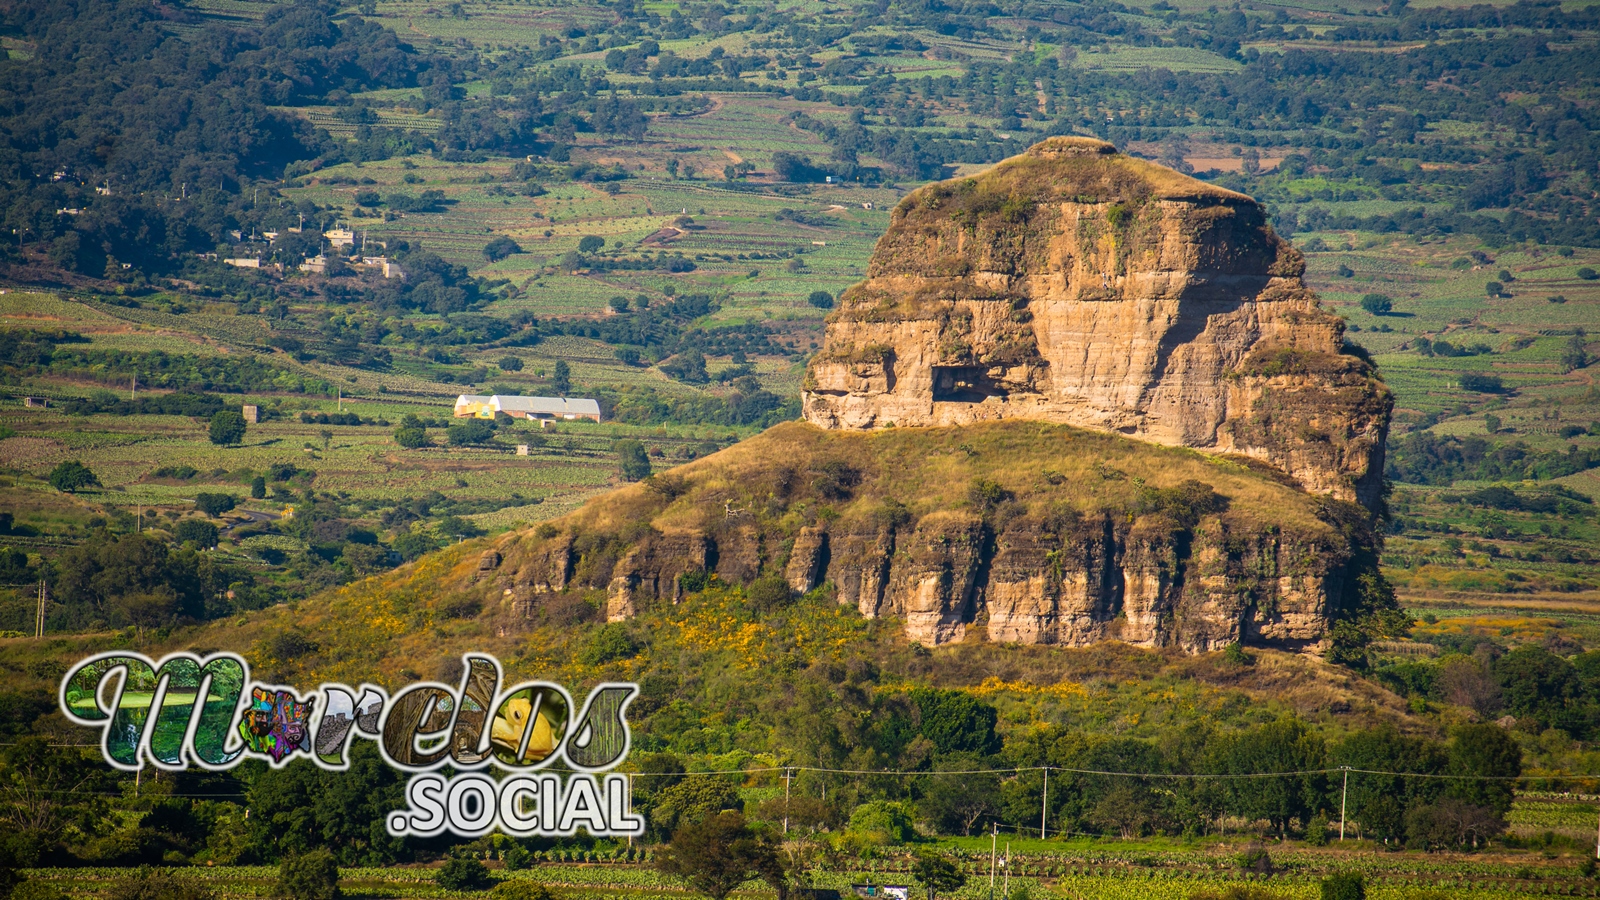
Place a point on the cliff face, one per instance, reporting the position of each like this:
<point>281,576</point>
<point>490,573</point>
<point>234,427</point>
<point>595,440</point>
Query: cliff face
<point>1076,285</point>
<point>1017,532</point>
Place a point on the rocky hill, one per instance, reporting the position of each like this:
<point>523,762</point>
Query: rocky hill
<point>1019,531</point>
<point>1057,319</point>
<point>1073,284</point>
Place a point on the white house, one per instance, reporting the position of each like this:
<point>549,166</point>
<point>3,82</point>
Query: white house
<point>479,406</point>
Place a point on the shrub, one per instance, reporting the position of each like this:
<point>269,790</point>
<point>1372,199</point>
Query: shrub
<point>198,532</point>
<point>470,432</point>
<point>768,593</point>
<point>1481,384</point>
<point>517,858</point>
<point>1377,304</point>
<point>411,438</point>
<point>413,544</point>
<point>216,504</point>
<point>156,884</point>
<point>612,642</point>
<point>290,645</point>
<point>37,890</point>
<point>227,428</point>
<point>462,875</point>
<point>1588,274</point>
<point>520,890</point>
<point>72,476</point>
<point>500,248</point>
<point>820,299</point>
<point>309,876</point>
<point>510,364</point>
<point>1344,886</point>
<point>632,461</point>
<point>258,488</point>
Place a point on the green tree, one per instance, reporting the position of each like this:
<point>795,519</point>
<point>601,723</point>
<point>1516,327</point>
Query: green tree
<point>198,532</point>
<point>72,476</point>
<point>258,488</point>
<point>1494,288</point>
<point>227,428</point>
<point>300,808</point>
<point>1488,751</point>
<point>413,544</point>
<point>561,378</point>
<point>215,504</point>
<point>1377,304</point>
<point>1379,802</point>
<point>462,874</point>
<point>470,432</point>
<point>1286,745</point>
<point>1491,423</point>
<point>955,721</point>
<point>591,243</point>
<point>820,299</point>
<point>632,462</point>
<point>410,437</point>
<point>689,801</point>
<point>309,876</point>
<point>1575,355</point>
<point>938,874</point>
<point>510,364</point>
<point>500,248</point>
<point>612,642</point>
<point>721,852</point>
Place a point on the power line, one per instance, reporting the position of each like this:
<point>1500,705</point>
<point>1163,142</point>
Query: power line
<point>1107,773</point>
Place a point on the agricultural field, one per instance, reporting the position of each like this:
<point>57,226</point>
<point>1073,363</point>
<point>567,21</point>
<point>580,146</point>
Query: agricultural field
<point>1050,869</point>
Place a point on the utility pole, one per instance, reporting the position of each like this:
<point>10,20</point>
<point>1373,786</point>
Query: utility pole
<point>994,836</point>
<point>1345,792</point>
<point>39,623</point>
<point>133,391</point>
<point>1044,804</point>
<point>786,774</point>
<point>1005,886</point>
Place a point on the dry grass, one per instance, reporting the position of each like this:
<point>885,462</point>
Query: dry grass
<point>929,470</point>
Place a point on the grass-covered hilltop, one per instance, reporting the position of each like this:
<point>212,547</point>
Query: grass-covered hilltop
<point>1148,435</point>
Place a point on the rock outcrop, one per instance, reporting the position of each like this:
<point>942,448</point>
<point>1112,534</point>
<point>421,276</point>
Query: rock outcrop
<point>1022,532</point>
<point>1076,285</point>
<point>1086,319</point>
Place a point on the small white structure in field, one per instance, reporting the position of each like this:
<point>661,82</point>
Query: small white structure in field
<point>522,449</point>
<point>252,413</point>
<point>541,408</point>
<point>244,262</point>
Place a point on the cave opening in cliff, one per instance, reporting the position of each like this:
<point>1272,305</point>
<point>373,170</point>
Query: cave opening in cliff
<point>964,384</point>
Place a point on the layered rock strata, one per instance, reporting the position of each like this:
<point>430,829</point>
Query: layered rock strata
<point>1063,557</point>
<point>1073,284</point>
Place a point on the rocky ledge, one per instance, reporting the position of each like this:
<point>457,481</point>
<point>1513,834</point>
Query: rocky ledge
<point>1015,532</point>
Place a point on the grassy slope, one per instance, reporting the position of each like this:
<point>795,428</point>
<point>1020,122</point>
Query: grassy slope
<point>415,621</point>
